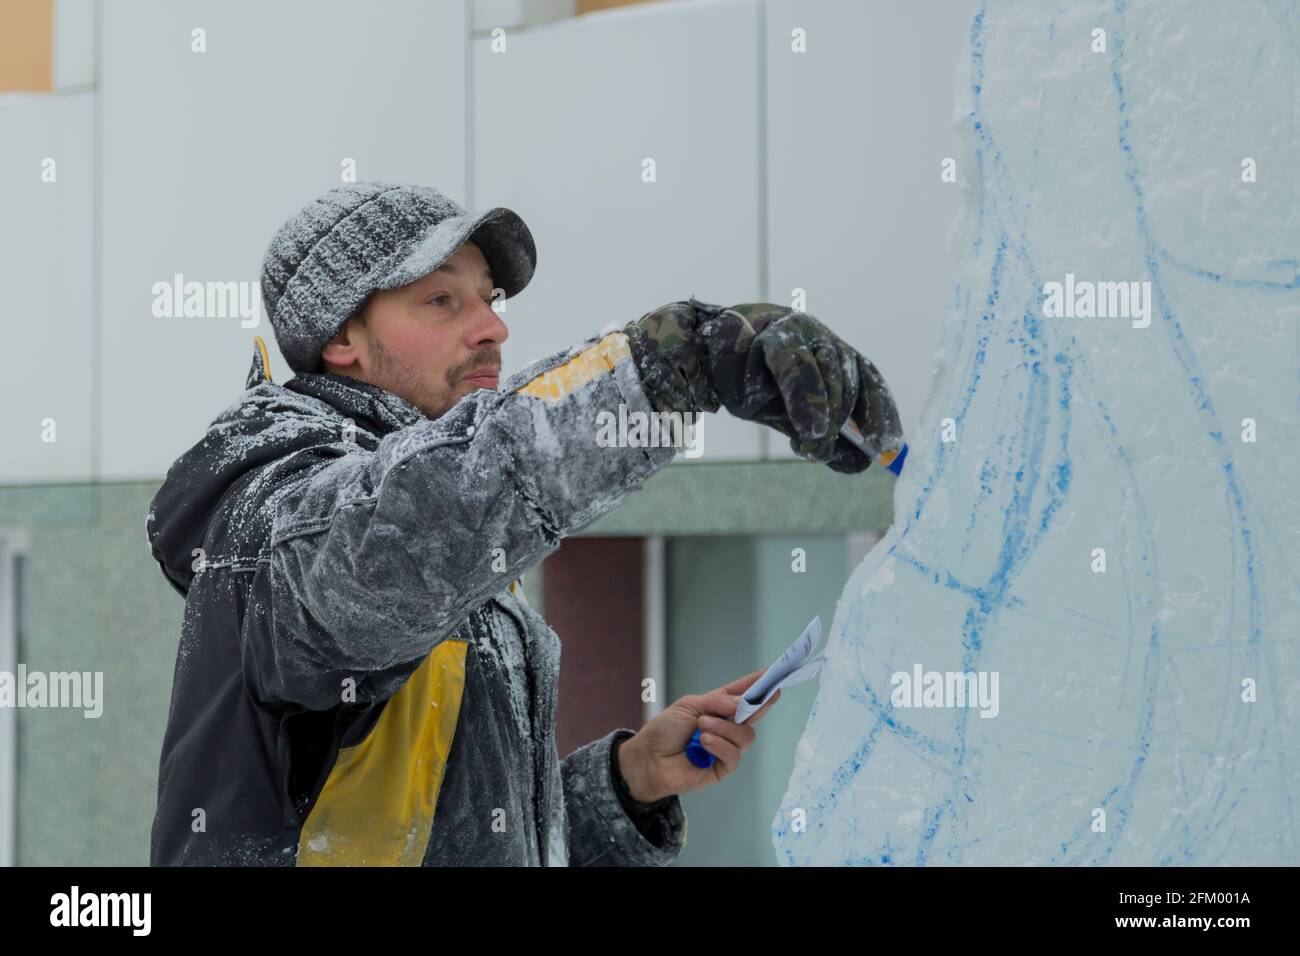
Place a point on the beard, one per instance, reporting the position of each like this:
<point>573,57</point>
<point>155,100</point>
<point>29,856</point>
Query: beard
<point>433,398</point>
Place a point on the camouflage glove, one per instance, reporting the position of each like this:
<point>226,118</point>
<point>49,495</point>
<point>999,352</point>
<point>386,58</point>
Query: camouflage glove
<point>769,364</point>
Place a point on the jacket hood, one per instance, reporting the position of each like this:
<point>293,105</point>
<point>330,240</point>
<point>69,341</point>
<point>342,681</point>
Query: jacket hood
<point>268,423</point>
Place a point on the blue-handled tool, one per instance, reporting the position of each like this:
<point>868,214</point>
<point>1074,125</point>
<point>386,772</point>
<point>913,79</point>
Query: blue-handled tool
<point>696,753</point>
<point>892,460</point>
<point>796,665</point>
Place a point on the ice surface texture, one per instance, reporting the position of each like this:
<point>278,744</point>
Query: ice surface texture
<point>1119,691</point>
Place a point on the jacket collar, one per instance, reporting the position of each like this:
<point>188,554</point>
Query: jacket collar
<point>371,407</point>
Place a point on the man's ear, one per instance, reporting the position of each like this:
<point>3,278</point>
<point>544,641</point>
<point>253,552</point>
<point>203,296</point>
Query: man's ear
<point>342,350</point>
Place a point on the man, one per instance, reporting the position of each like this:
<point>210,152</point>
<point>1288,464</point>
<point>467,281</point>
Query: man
<point>359,678</point>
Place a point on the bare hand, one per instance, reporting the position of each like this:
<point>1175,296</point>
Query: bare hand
<point>654,762</point>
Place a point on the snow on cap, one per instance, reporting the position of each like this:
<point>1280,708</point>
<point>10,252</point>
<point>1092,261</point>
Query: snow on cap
<point>362,237</point>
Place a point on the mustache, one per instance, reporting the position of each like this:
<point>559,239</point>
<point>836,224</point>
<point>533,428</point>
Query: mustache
<point>491,357</point>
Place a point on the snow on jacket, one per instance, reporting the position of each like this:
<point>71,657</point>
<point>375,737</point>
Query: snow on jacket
<point>357,682</point>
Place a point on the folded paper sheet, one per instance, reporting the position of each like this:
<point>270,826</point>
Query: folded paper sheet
<point>1078,642</point>
<point>795,666</point>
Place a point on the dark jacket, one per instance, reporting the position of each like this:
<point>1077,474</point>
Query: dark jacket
<point>359,679</point>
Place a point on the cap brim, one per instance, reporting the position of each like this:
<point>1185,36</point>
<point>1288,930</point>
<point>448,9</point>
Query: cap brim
<point>504,239</point>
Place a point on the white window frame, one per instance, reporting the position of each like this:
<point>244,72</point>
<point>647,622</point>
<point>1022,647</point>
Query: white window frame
<point>654,632</point>
<point>13,543</point>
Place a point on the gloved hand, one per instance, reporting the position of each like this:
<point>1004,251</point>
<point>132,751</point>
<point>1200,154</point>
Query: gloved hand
<point>769,364</point>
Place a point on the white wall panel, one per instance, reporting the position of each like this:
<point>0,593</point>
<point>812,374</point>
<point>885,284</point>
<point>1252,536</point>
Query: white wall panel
<point>205,154</point>
<point>857,128</point>
<point>46,302</point>
<point>563,119</point>
<point>74,43</point>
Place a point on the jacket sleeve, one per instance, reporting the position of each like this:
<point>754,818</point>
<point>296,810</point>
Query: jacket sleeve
<point>377,556</point>
<point>609,828</point>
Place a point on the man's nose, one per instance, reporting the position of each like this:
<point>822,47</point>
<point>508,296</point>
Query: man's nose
<point>489,327</point>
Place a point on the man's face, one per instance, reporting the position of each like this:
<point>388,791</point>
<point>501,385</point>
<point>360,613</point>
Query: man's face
<point>425,341</point>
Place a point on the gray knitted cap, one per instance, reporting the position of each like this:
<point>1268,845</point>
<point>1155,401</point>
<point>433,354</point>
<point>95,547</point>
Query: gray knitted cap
<point>362,237</point>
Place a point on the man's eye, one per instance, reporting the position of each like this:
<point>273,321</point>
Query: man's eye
<point>435,299</point>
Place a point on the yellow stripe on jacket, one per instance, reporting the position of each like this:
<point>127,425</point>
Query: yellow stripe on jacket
<point>592,361</point>
<point>377,806</point>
